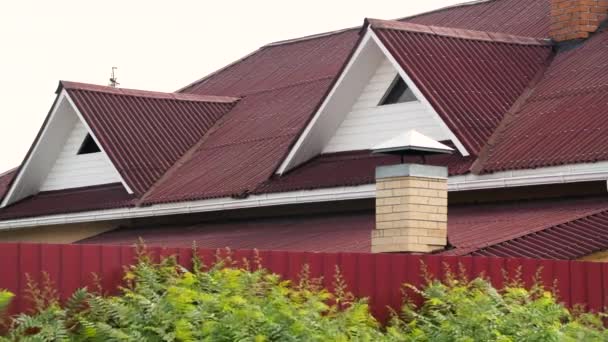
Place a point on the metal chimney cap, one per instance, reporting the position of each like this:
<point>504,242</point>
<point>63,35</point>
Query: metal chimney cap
<point>412,143</point>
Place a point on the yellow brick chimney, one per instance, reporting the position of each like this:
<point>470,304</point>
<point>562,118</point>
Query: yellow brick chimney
<point>411,199</point>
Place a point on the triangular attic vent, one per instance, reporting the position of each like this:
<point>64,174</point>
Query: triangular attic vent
<point>88,146</point>
<point>398,92</point>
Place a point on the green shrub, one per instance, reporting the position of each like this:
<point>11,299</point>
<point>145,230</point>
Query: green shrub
<point>462,310</point>
<point>165,302</point>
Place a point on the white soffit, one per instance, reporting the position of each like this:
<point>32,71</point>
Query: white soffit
<point>46,148</point>
<point>414,141</point>
<point>345,91</point>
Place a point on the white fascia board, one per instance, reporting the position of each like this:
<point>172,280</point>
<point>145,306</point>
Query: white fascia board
<point>254,201</point>
<point>8,198</point>
<point>410,83</point>
<point>86,124</point>
<point>286,164</point>
<point>549,175</point>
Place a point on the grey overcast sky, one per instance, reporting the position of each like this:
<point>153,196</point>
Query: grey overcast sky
<point>157,45</point>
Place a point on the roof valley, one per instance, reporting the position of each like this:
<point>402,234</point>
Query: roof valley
<point>478,166</point>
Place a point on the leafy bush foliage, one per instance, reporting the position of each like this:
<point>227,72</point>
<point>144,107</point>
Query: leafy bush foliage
<point>460,310</point>
<point>165,302</point>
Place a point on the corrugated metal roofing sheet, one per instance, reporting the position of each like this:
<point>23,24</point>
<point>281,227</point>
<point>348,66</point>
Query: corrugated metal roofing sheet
<point>570,240</point>
<point>246,147</point>
<point>284,63</point>
<point>108,196</point>
<point>279,66</point>
<point>471,78</point>
<point>498,226</point>
<point>343,232</point>
<point>567,228</point>
<point>519,17</point>
<point>564,121</point>
<point>350,169</point>
<point>145,133</point>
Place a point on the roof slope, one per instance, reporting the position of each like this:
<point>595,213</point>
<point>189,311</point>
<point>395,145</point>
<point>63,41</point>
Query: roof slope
<point>471,78</point>
<point>529,228</point>
<point>569,240</point>
<point>108,196</point>
<point>341,232</point>
<point>246,148</point>
<point>279,64</point>
<point>145,133</point>
<point>564,121</point>
<point>518,17</point>
<point>567,228</point>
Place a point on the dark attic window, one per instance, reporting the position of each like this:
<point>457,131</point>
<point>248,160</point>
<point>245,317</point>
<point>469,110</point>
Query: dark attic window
<point>398,92</point>
<point>88,146</point>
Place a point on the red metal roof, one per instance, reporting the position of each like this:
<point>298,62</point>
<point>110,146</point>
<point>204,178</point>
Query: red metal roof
<point>343,232</point>
<point>283,63</point>
<point>108,196</point>
<point>145,133</point>
<point>564,120</point>
<point>246,148</point>
<point>471,78</point>
<point>351,168</point>
<point>280,65</point>
<point>565,228</point>
<point>518,17</point>
<point>541,228</point>
<point>569,240</point>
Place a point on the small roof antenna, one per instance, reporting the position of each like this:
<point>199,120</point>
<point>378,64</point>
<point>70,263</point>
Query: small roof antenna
<point>412,143</point>
<point>113,80</point>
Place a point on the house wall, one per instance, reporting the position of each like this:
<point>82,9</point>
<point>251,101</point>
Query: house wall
<point>71,170</point>
<point>67,233</point>
<point>368,124</point>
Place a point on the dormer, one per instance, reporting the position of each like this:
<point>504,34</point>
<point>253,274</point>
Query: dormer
<point>441,82</point>
<point>65,155</point>
<point>373,100</point>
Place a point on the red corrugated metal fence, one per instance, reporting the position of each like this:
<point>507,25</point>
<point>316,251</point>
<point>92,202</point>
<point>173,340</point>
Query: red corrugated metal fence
<point>377,276</point>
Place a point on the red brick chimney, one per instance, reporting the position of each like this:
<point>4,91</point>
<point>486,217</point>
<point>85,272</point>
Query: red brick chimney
<point>574,19</point>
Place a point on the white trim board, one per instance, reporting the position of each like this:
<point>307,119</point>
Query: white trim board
<point>345,91</point>
<point>549,175</point>
<point>46,148</point>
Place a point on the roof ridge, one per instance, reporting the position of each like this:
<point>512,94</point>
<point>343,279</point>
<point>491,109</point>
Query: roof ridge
<point>144,93</point>
<point>455,32</point>
<point>527,95</point>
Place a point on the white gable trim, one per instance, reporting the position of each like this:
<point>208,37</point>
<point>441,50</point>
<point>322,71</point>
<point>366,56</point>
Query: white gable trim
<point>463,151</point>
<point>287,163</point>
<point>86,124</point>
<point>298,152</point>
<point>18,189</point>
